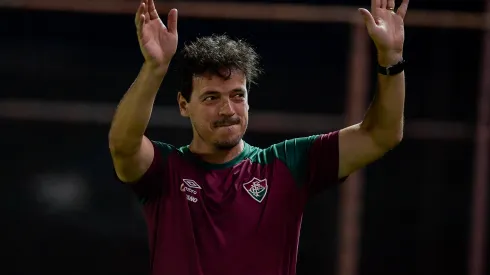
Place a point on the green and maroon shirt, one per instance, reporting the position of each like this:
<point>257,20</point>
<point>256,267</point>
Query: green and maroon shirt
<point>238,218</point>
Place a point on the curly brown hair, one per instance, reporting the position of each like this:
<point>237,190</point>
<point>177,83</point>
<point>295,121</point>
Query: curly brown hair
<point>218,55</point>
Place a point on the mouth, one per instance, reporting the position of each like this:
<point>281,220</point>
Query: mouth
<point>228,127</point>
<point>226,124</point>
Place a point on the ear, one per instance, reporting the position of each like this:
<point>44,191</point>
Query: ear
<point>182,105</point>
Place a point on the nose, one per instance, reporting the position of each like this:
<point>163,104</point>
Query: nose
<point>226,109</point>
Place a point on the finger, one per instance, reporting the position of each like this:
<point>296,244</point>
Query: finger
<point>152,10</point>
<point>147,16</point>
<point>141,23</point>
<point>368,19</point>
<point>139,27</point>
<point>172,21</point>
<point>375,4</point>
<point>390,5</point>
<point>139,12</point>
<point>384,3</point>
<point>402,9</point>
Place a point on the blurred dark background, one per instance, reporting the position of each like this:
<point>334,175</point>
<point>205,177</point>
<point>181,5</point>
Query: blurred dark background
<point>65,213</point>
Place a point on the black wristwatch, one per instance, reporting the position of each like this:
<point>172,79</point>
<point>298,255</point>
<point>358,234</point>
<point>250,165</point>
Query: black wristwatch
<point>392,70</point>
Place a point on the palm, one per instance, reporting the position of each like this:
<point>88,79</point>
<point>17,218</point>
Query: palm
<point>158,43</point>
<point>385,26</point>
<point>389,33</point>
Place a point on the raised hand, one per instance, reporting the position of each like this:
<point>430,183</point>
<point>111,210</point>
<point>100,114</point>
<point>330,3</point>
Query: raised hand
<point>158,43</point>
<point>386,28</point>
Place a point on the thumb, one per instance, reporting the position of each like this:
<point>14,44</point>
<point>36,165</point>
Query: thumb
<point>368,18</point>
<point>172,21</point>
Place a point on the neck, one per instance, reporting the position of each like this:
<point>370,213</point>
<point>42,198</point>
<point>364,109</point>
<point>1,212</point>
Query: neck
<point>211,154</point>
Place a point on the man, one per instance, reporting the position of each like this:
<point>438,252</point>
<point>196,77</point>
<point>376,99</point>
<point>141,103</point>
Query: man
<point>221,206</point>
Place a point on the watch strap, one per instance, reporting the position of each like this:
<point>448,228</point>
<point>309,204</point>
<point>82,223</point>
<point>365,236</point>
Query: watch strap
<point>392,70</point>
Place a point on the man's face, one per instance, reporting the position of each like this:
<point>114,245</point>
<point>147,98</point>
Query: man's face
<point>218,109</point>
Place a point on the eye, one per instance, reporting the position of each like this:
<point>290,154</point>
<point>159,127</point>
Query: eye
<point>209,98</point>
<point>239,95</point>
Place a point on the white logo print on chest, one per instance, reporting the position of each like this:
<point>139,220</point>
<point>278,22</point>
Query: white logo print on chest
<point>190,186</point>
<point>257,189</point>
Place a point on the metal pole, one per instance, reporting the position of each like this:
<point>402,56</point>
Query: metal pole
<point>260,121</point>
<point>351,191</point>
<point>476,260</point>
<point>256,11</point>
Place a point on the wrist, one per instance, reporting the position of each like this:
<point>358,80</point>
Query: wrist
<point>387,59</point>
<point>157,70</point>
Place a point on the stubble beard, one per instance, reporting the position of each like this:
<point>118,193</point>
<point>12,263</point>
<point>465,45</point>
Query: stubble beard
<point>225,145</point>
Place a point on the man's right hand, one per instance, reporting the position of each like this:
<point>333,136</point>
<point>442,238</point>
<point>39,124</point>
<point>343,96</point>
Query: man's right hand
<point>131,151</point>
<point>158,43</point>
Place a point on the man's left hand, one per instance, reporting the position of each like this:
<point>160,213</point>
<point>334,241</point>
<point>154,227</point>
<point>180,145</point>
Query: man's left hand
<point>385,26</point>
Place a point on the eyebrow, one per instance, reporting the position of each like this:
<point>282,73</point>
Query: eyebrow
<point>208,93</point>
<point>239,90</point>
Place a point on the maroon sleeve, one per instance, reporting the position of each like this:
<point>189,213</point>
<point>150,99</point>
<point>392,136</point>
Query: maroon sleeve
<point>151,184</point>
<point>323,162</point>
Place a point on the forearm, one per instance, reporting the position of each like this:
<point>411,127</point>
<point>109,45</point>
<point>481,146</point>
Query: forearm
<point>384,119</point>
<point>134,111</point>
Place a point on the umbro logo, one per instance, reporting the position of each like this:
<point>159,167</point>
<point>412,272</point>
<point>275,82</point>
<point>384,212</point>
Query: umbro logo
<point>191,184</point>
